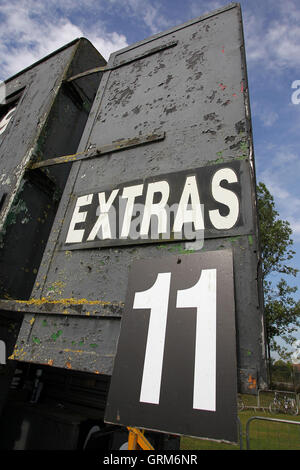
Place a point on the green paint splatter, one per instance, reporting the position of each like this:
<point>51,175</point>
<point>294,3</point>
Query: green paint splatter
<point>176,249</point>
<point>93,345</point>
<point>36,340</point>
<point>250,238</point>
<point>180,250</point>
<point>244,146</point>
<point>56,335</point>
<point>44,323</point>
<point>233,239</point>
<point>81,343</point>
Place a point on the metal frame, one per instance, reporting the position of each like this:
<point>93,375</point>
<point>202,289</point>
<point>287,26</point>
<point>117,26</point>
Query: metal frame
<point>262,418</point>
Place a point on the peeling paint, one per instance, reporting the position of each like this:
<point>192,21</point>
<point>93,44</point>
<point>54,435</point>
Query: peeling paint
<point>56,335</point>
<point>251,382</point>
<point>70,301</point>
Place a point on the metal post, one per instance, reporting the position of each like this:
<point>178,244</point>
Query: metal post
<point>240,432</point>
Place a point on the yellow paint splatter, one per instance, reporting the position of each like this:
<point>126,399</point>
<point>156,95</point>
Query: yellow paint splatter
<point>18,354</point>
<point>78,351</point>
<point>69,301</point>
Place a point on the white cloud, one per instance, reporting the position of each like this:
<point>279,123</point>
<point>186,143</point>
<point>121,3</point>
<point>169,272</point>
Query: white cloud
<point>154,20</point>
<point>149,14</point>
<point>274,43</point>
<point>200,8</point>
<point>30,30</point>
<point>263,112</point>
<point>281,178</point>
<point>268,118</point>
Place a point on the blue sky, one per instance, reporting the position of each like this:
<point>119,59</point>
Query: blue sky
<point>30,29</point>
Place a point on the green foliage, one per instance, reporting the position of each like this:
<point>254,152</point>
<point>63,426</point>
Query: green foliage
<point>282,311</point>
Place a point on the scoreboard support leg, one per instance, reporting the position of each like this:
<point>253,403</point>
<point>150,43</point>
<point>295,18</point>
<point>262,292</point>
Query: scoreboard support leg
<point>137,440</point>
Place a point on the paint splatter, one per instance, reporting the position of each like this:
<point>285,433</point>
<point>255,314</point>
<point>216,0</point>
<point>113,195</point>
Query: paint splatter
<point>251,382</point>
<point>56,335</point>
<point>223,87</point>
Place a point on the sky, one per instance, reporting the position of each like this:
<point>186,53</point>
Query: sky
<point>31,29</point>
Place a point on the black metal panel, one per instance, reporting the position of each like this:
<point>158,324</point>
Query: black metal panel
<point>45,121</point>
<point>196,93</point>
<point>174,407</point>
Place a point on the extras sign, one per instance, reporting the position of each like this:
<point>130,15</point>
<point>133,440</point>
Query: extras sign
<point>175,206</point>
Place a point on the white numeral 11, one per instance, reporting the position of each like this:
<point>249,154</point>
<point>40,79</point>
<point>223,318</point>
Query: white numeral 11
<point>201,296</point>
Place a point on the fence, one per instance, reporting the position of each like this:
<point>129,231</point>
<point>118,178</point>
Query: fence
<point>272,434</point>
<point>255,433</point>
<point>260,426</point>
<point>274,401</point>
<point>269,420</point>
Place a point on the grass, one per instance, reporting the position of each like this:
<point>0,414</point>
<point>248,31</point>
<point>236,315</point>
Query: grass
<point>264,435</point>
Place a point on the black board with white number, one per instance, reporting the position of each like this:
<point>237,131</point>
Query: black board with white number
<point>175,368</point>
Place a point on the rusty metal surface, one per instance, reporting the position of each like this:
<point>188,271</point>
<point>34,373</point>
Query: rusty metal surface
<point>196,93</point>
<point>95,308</point>
<point>48,121</point>
<point>99,151</point>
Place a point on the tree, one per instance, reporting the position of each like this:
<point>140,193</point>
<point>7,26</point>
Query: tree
<point>282,311</point>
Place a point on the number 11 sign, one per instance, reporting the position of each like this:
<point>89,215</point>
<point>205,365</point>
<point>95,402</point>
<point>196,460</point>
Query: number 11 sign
<point>175,368</point>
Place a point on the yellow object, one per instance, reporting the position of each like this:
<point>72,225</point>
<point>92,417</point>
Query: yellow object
<point>137,440</point>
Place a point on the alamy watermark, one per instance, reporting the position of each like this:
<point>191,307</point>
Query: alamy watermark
<point>142,223</point>
<point>295,98</point>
